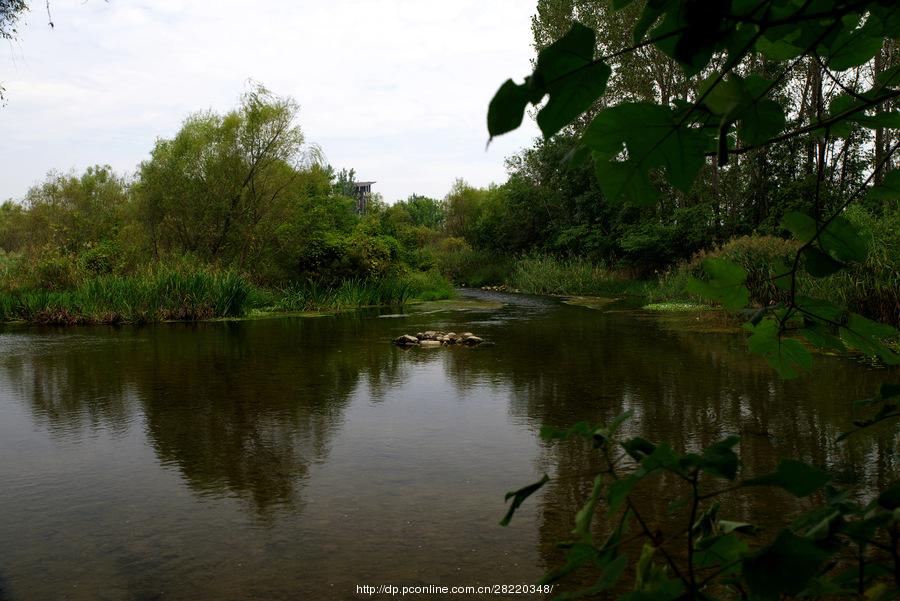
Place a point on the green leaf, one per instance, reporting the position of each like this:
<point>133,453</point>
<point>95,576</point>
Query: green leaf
<point>778,50</point>
<point>652,138</point>
<point>727,527</point>
<point>822,309</point>
<point>726,284</point>
<point>567,72</point>
<point>817,336</point>
<point>725,97</point>
<point>852,49</point>
<point>761,121</point>
<point>662,457</point>
<point>638,448</point>
<point>887,120</point>
<point>802,226</point>
<point>571,96</point>
<point>784,567</point>
<point>841,238</point>
<point>507,108</point>
<point>819,264</point>
<point>890,496</point>
<point>586,513</point>
<point>650,15</point>
<point>866,336</point>
<point>720,551</point>
<point>720,460</point>
<point>576,556</point>
<point>796,477</point>
<point>619,491</point>
<point>612,428</point>
<point>611,574</point>
<point>786,355</point>
<point>519,496</point>
<point>624,180</point>
<point>889,78</point>
<point>841,104</point>
<point>888,190</point>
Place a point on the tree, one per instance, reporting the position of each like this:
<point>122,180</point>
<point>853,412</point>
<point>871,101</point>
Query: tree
<point>212,188</point>
<point>642,151</point>
<point>10,13</point>
<point>70,212</point>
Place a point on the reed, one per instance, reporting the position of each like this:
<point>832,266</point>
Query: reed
<point>161,295</point>
<point>355,293</point>
<point>550,275</point>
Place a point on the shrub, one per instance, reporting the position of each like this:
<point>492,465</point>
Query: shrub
<point>761,256</point>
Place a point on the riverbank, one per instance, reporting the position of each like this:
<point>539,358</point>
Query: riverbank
<point>170,295</point>
<point>871,289</point>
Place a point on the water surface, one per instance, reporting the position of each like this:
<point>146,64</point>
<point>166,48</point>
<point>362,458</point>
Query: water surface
<point>300,457</point>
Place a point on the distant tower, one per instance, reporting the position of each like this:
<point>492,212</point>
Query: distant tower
<point>363,191</point>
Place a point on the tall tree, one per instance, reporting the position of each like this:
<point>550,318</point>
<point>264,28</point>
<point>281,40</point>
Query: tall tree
<point>209,189</point>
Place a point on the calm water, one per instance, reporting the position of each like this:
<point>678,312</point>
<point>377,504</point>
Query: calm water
<point>299,457</point>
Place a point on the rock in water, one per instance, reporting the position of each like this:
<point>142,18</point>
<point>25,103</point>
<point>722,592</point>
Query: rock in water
<point>432,339</point>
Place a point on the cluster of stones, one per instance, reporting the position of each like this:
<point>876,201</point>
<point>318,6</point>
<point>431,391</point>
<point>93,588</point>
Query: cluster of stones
<point>500,288</point>
<point>432,338</point>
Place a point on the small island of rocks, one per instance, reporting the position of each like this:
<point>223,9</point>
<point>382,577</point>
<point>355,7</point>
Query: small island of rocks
<point>432,339</point>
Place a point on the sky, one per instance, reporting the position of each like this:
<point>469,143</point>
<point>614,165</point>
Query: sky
<point>396,89</point>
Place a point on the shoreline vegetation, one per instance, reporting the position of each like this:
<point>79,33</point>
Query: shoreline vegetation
<point>196,293</point>
<point>198,233</point>
<point>171,295</point>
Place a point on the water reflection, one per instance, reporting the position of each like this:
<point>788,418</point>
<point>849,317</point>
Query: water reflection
<point>239,408</point>
<point>245,451</point>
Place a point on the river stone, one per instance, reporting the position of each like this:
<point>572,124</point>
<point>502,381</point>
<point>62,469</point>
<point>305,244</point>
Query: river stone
<point>429,343</point>
<point>473,340</point>
<point>406,340</point>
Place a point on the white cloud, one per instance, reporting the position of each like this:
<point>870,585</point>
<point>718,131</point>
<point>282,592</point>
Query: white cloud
<point>397,89</point>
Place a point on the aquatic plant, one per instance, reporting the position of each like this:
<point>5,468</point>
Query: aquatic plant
<point>154,296</point>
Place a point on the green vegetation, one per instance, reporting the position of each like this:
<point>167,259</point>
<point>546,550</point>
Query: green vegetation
<point>550,275</point>
<point>232,210</point>
<point>155,296</point>
<point>747,150</point>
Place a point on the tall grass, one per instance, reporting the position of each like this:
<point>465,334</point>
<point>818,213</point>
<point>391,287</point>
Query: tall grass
<point>871,288</point>
<point>154,296</point>
<point>550,275</point>
<point>468,267</point>
<point>355,293</point>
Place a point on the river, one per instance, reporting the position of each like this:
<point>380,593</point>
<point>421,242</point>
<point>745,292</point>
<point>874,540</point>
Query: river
<point>300,457</point>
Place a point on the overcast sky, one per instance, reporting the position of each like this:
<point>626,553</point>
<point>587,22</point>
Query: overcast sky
<point>396,89</point>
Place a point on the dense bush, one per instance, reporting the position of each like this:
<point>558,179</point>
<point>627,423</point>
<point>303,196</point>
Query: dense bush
<point>871,288</point>
<point>763,257</point>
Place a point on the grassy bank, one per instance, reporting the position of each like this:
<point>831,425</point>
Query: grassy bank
<point>171,295</point>
<point>871,289</point>
<point>311,296</point>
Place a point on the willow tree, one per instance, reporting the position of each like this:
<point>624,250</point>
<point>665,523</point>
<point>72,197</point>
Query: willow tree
<point>217,188</point>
